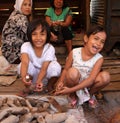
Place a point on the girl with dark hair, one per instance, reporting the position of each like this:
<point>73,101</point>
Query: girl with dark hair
<point>82,76</point>
<point>59,18</point>
<point>38,58</point>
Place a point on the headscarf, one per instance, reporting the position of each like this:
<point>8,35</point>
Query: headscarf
<point>18,4</point>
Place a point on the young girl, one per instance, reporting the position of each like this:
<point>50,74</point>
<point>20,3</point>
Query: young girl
<point>14,30</point>
<point>82,73</point>
<point>38,57</point>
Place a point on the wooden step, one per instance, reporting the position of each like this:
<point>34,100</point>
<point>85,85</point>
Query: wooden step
<point>77,41</point>
<point>61,59</point>
<point>60,50</point>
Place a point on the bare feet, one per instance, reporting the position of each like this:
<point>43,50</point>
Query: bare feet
<point>73,99</point>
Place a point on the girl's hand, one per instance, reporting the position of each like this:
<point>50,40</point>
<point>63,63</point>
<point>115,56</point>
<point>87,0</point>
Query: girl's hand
<point>59,86</point>
<point>39,87</point>
<point>65,90</point>
<point>27,83</point>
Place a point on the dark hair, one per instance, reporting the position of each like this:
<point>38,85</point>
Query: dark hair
<point>64,4</point>
<point>94,28</point>
<point>34,24</point>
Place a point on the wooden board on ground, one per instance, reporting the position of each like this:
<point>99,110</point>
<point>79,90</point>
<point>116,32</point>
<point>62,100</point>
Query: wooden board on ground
<point>113,86</point>
<point>14,88</point>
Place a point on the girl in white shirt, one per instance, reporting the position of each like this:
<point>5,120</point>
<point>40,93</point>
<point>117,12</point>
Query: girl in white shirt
<point>38,57</point>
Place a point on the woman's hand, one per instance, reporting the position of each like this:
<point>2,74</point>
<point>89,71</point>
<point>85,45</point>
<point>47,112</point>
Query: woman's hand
<point>55,23</point>
<point>54,38</point>
<point>39,87</point>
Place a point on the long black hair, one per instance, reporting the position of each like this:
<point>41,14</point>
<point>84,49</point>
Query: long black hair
<point>94,28</point>
<point>34,24</point>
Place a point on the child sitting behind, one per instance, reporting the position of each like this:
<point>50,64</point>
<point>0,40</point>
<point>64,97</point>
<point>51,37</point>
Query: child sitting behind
<point>82,75</point>
<point>38,57</point>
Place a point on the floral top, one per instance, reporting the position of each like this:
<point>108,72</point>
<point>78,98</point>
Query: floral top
<point>13,35</point>
<point>85,67</point>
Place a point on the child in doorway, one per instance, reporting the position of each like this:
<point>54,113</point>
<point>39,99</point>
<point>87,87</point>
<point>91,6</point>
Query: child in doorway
<point>38,58</point>
<point>82,75</point>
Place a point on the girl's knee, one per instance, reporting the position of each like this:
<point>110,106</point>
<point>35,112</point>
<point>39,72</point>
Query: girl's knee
<point>73,74</point>
<point>105,77</point>
<point>54,69</point>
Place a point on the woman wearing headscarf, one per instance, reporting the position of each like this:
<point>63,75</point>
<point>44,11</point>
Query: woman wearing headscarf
<point>14,31</point>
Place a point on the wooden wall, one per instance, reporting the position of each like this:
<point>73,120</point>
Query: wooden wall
<point>97,13</point>
<point>112,22</point>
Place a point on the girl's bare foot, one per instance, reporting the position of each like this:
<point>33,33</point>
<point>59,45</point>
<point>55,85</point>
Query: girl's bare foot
<point>73,99</point>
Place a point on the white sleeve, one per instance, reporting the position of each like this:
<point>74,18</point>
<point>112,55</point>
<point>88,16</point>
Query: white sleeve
<point>50,53</point>
<point>25,47</point>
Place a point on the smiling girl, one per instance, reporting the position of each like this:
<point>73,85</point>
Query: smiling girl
<point>38,57</point>
<point>82,75</point>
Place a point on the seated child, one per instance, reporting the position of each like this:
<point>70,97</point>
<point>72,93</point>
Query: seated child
<point>38,57</point>
<point>82,75</point>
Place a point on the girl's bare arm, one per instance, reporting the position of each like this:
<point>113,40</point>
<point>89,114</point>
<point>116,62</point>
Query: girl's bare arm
<point>43,71</point>
<point>24,64</point>
<point>68,64</point>
<point>89,81</point>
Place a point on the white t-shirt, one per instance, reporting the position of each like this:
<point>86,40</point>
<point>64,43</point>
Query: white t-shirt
<point>48,54</point>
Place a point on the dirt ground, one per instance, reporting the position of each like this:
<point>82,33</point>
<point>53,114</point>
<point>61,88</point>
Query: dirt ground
<point>108,110</point>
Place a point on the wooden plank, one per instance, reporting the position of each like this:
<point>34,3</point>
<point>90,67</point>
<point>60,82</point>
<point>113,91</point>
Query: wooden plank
<point>112,70</point>
<point>111,63</point>
<point>14,88</point>
<point>114,73</point>
<point>112,57</point>
<point>113,86</point>
<point>115,78</point>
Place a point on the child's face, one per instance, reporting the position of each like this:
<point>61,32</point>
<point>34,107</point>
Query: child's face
<point>95,43</point>
<point>39,37</point>
<point>26,7</point>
